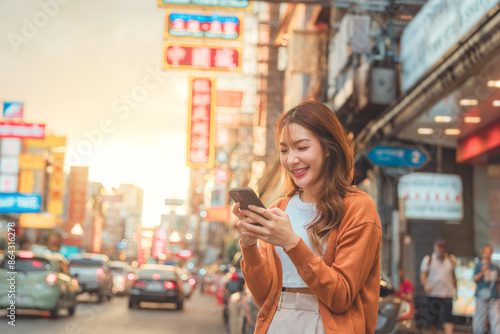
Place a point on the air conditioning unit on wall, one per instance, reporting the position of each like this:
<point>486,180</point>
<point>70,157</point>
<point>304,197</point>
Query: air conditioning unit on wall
<point>374,88</point>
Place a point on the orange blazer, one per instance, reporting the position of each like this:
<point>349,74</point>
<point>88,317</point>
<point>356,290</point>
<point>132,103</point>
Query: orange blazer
<point>346,280</point>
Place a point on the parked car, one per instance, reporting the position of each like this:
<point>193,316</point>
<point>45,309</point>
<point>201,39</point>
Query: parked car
<point>123,277</point>
<point>395,315</point>
<point>157,283</point>
<point>93,274</point>
<point>42,282</point>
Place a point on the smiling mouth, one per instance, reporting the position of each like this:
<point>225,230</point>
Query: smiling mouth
<point>298,171</point>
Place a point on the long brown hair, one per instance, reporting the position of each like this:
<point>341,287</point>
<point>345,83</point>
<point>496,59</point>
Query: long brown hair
<point>338,166</point>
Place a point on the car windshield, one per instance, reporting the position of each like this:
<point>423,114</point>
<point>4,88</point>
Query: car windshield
<point>148,273</point>
<point>33,264</point>
<point>85,263</point>
<point>118,271</point>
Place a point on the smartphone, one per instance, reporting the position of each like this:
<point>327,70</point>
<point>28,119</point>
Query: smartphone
<point>246,197</point>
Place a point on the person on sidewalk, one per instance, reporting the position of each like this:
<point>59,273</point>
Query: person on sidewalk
<point>486,276</point>
<point>314,265</point>
<point>437,275</point>
<point>406,288</point>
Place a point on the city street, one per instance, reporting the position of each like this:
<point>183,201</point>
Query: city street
<point>201,314</point>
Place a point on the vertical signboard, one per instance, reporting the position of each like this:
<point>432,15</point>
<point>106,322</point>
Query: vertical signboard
<point>97,240</point>
<point>57,185</point>
<point>10,149</point>
<point>201,123</point>
<point>77,194</point>
<point>159,242</point>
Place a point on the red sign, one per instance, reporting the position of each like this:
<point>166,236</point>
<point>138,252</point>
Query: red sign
<point>219,213</point>
<point>22,130</point>
<point>159,242</point>
<point>201,57</point>
<point>201,123</point>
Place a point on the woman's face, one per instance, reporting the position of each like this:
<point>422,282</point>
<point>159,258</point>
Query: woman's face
<point>302,157</point>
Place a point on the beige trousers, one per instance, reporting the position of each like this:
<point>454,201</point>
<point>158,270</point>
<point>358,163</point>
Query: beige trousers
<point>297,314</point>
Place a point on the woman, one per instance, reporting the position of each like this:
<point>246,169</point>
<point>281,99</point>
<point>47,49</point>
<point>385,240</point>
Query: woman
<point>314,264</point>
<point>486,276</point>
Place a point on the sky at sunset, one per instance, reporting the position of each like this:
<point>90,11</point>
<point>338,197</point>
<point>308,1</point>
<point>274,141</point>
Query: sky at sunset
<point>91,71</point>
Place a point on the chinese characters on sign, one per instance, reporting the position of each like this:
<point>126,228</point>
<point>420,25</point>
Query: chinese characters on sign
<point>199,25</point>
<point>201,123</point>
<point>22,130</point>
<point>193,57</point>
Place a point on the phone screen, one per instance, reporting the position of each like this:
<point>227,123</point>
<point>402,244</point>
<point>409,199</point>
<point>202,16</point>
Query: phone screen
<point>246,197</point>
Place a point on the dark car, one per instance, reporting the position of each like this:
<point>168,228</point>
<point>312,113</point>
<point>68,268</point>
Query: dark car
<point>42,282</point>
<point>156,283</point>
<point>395,315</point>
<point>93,274</point>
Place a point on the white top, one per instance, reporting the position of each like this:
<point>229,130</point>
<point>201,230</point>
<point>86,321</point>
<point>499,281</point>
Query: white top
<point>440,278</point>
<point>300,215</point>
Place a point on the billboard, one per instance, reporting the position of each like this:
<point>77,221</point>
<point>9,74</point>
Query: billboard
<point>20,203</point>
<point>13,109</point>
<point>200,25</point>
<point>177,56</point>
<point>21,130</point>
<point>211,4</point>
<point>432,196</point>
<point>201,123</point>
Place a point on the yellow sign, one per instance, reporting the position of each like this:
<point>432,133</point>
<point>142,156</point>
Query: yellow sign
<point>37,220</point>
<point>55,207</point>
<point>29,161</point>
<point>57,182</point>
<point>26,181</point>
<point>58,158</point>
<point>48,142</point>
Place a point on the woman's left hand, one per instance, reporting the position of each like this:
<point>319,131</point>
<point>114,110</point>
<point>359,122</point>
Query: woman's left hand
<point>276,228</point>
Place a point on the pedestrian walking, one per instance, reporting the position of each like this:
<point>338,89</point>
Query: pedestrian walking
<point>314,264</point>
<point>437,275</point>
<point>486,276</point>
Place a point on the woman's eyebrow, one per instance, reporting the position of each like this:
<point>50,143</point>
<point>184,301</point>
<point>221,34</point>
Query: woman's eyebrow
<point>295,142</point>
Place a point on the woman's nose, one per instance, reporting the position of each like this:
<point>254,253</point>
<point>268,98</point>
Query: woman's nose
<point>292,158</point>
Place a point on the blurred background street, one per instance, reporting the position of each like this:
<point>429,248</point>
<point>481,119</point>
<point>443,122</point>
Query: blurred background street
<point>202,314</point>
<point>125,123</point>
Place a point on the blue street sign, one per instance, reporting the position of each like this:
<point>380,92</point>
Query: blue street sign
<point>20,203</point>
<point>398,156</point>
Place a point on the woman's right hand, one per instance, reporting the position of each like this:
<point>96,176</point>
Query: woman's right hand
<point>245,239</point>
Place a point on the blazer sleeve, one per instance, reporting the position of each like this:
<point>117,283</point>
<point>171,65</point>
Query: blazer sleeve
<point>257,273</point>
<point>256,269</point>
<point>356,255</point>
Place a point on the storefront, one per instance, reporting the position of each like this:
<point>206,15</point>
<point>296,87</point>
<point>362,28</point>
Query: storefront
<point>450,108</point>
